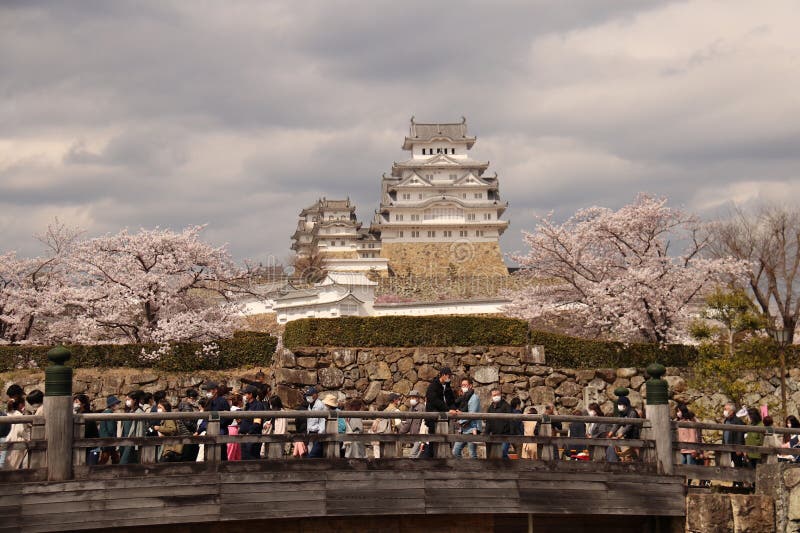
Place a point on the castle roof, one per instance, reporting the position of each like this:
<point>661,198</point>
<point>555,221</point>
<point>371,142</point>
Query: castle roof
<point>420,132</point>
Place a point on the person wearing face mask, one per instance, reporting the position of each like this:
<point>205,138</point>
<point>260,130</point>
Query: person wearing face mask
<point>413,426</point>
<point>315,425</point>
<point>439,398</point>
<point>132,428</point>
<point>108,430</point>
<point>386,425</point>
<point>81,405</point>
<point>623,431</point>
<point>733,437</point>
<point>495,426</point>
<point>468,402</point>
<point>217,402</point>
<point>251,426</point>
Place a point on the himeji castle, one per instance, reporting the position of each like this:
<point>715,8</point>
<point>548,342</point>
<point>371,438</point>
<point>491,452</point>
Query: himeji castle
<point>439,214</point>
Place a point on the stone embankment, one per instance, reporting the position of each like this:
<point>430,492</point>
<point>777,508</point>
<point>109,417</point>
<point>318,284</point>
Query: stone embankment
<point>372,373</point>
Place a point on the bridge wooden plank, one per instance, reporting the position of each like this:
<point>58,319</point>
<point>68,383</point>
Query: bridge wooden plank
<point>277,497</point>
<point>720,473</point>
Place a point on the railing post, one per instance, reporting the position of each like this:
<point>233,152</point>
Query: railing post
<point>658,414</point>
<point>546,430</point>
<point>78,454</point>
<point>211,453</point>
<point>443,428</point>
<point>58,415</point>
<point>332,448</point>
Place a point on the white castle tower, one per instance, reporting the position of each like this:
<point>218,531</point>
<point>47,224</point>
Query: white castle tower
<point>439,213</point>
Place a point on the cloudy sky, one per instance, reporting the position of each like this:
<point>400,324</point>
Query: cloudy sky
<point>237,114</point>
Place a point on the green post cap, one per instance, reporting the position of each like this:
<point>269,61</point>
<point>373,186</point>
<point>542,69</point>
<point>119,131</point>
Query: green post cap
<point>656,370</point>
<point>57,376</point>
<point>621,391</point>
<point>657,388</point>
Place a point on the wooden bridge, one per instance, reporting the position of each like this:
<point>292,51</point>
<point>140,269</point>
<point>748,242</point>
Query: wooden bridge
<point>280,487</point>
<point>57,491</point>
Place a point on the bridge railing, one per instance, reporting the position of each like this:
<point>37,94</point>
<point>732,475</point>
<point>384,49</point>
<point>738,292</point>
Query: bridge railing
<point>716,460</point>
<point>548,444</point>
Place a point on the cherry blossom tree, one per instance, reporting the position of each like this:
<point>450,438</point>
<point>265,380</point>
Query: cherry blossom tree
<point>614,273</point>
<point>151,286</point>
<point>32,290</point>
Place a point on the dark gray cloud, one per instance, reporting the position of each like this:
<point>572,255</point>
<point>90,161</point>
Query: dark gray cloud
<point>237,114</point>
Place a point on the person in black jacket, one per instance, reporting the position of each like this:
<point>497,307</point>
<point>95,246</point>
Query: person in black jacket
<point>248,426</point>
<point>495,426</point>
<point>439,398</point>
<point>217,402</point>
<point>734,437</point>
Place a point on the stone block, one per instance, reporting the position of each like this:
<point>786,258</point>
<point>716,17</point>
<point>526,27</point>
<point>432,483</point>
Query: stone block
<point>626,372</point>
<point>554,379</point>
<point>542,395</point>
<point>533,354</point>
<point>343,358</point>
<point>364,357</point>
<point>584,376</point>
<point>507,388</point>
<point>290,396</point>
<point>569,388</point>
<point>427,372</point>
<point>507,360</point>
<point>708,513</point>
<point>405,364</point>
<point>791,477</point>
<point>569,402</point>
<point>378,370</point>
<point>143,378</point>
<point>295,377</point>
<point>598,383</point>
<point>676,383</point>
<point>307,362</point>
<point>331,377</point>
<point>403,386</point>
<point>607,374</point>
<point>486,374</point>
<point>637,382</point>
<point>535,381</point>
<point>541,370</point>
<point>372,391</point>
<point>285,358</point>
<point>752,513</point>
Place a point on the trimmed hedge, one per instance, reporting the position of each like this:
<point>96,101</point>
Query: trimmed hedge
<point>246,348</point>
<point>572,352</point>
<point>406,331</point>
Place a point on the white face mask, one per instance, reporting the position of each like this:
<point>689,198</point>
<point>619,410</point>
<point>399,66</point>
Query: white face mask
<point>128,403</point>
<point>726,414</point>
<point>309,399</point>
<point>160,410</point>
<point>209,394</point>
<point>496,399</point>
<point>592,413</point>
<point>76,407</point>
<point>464,389</point>
<point>447,380</point>
<point>413,401</point>
<point>620,407</point>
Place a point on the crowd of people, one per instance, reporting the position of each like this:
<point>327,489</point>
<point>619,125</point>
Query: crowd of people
<point>440,397</point>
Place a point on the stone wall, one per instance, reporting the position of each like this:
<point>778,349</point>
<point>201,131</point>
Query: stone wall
<point>99,383</point>
<point>723,513</point>
<point>781,482</point>
<point>372,373</point>
<point>434,259</point>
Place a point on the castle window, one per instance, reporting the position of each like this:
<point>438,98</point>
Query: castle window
<point>471,216</point>
<point>487,216</point>
<point>398,217</point>
<point>448,233</point>
<point>479,233</point>
<point>431,234</point>
<point>406,196</point>
<point>453,151</point>
<point>423,151</point>
<point>414,217</point>
<point>438,150</point>
<point>478,195</point>
<point>453,176</point>
<point>462,233</point>
<point>429,176</point>
<point>464,195</point>
<point>399,233</point>
<point>414,234</point>
<point>333,243</point>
